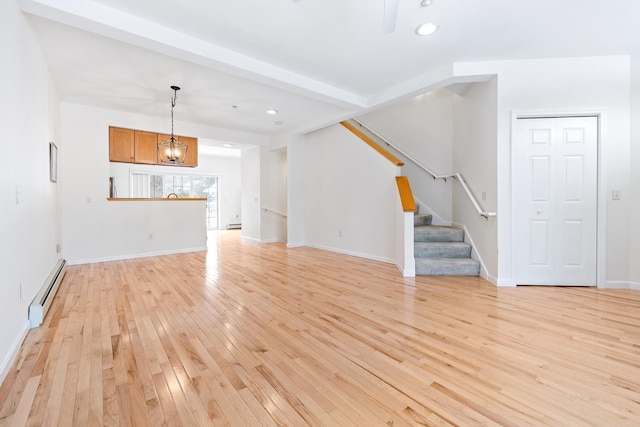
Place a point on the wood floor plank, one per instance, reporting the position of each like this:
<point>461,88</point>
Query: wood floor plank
<point>262,335</point>
<point>21,414</point>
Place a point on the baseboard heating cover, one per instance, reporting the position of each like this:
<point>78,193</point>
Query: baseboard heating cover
<point>41,303</point>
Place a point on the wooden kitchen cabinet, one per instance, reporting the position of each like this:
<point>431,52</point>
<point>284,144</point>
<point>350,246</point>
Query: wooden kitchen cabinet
<point>192,152</point>
<point>137,146</point>
<point>146,147</point>
<point>121,145</point>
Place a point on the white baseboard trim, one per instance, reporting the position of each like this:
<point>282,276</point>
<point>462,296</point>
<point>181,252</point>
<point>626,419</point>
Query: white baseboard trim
<point>409,272</point>
<point>7,363</point>
<point>245,239</point>
<point>260,242</point>
<point>486,276</point>
<point>352,253</point>
<point>506,283</point>
<point>295,245</point>
<point>133,256</point>
<point>621,284</point>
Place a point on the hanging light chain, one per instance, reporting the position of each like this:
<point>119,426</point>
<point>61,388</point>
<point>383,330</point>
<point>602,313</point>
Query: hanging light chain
<point>173,104</point>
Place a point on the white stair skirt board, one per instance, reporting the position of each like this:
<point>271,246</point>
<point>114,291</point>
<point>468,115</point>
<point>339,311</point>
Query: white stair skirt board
<point>41,303</point>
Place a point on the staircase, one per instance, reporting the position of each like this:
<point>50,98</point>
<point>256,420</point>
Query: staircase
<point>441,251</point>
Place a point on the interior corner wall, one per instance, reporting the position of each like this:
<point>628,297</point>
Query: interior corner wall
<point>564,86</point>
<point>634,190</point>
<point>351,194</point>
<point>250,204</point>
<point>422,127</point>
<point>296,197</point>
<point>273,193</point>
<point>475,158</point>
<point>264,175</point>
<point>29,208</point>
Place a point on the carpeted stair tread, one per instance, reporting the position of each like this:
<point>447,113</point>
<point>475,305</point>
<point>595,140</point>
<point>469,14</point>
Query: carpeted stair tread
<point>438,233</point>
<point>447,267</point>
<point>442,250</point>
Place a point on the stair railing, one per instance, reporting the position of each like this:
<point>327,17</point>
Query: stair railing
<point>275,212</point>
<point>456,176</point>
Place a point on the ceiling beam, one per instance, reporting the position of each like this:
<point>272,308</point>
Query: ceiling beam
<point>108,22</point>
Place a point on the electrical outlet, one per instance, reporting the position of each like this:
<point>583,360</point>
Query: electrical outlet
<point>17,195</point>
<point>58,248</point>
<point>484,195</point>
<point>150,237</point>
<point>339,233</point>
<point>615,195</point>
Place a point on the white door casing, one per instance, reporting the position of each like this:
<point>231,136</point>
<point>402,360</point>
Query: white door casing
<point>556,180</point>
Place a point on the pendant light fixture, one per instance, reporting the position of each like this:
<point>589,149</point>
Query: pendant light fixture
<point>172,151</point>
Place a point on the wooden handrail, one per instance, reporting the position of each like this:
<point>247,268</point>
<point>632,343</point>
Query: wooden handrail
<point>406,196</point>
<point>387,155</point>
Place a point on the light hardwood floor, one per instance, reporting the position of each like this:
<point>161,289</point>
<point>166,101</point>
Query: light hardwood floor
<point>263,335</point>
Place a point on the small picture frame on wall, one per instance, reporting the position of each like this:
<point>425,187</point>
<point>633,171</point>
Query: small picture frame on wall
<point>53,162</point>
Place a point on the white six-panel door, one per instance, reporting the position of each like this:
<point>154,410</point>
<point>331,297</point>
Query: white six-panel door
<point>555,177</point>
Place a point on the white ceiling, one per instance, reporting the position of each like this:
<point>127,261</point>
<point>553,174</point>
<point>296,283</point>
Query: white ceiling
<point>315,61</point>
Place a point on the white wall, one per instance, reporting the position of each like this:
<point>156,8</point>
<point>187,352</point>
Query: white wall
<point>29,220</point>
<point>566,85</point>
<point>475,157</point>
<point>634,190</point>
<point>264,195</point>
<point>96,229</point>
<point>423,128</point>
<point>296,191</point>
<point>250,203</point>
<point>350,196</point>
<point>273,193</point>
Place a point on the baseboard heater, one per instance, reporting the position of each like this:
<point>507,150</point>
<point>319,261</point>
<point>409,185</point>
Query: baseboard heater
<point>41,303</point>
<point>232,226</point>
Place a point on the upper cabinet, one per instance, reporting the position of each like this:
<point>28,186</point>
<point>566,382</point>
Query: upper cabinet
<point>146,147</point>
<point>121,145</point>
<point>136,146</point>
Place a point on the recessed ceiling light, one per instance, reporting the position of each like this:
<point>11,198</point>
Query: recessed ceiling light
<point>272,111</point>
<point>426,29</point>
<point>278,123</point>
<point>234,106</point>
<point>227,145</point>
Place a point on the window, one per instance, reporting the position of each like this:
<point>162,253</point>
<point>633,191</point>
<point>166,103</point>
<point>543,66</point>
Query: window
<point>160,185</point>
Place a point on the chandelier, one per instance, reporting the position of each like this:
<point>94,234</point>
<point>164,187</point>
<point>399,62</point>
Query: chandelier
<point>172,151</point>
